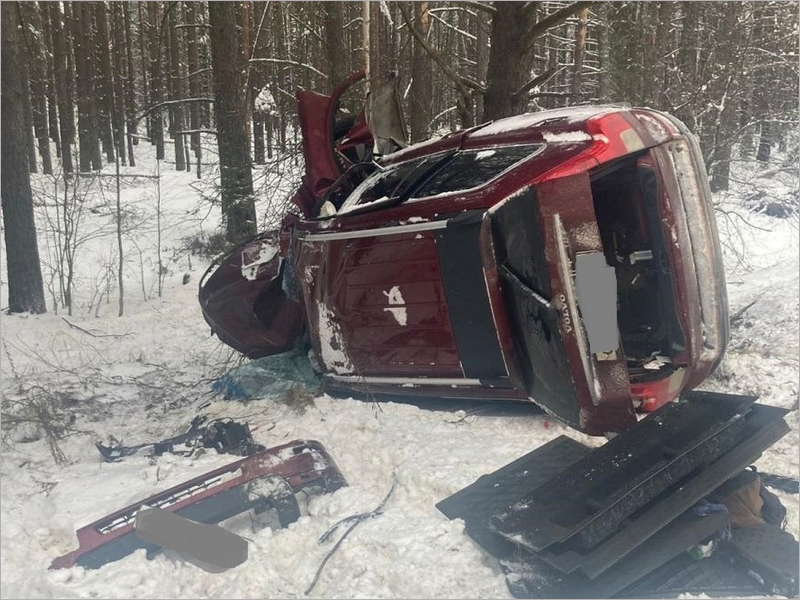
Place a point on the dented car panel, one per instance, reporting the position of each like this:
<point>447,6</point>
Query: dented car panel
<point>568,257</point>
<point>244,302</point>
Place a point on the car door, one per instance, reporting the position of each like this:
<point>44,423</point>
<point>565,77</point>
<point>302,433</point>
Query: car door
<point>375,302</point>
<point>543,239</point>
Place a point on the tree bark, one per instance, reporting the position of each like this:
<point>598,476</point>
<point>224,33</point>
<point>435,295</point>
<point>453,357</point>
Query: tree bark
<point>33,33</point>
<point>88,146</point>
<point>156,94</point>
<point>61,74</point>
<point>176,90</point>
<point>27,116</point>
<point>52,103</point>
<point>481,57</point>
<point>514,30</point>
<point>510,61</point>
<point>764,29</point>
<point>25,287</point>
<point>238,205</point>
<point>104,83</point>
<point>129,70</point>
<point>193,60</point>
<point>662,45</point>
<point>334,43</point>
<point>118,76</point>
<point>144,58</point>
<point>421,92</point>
<point>579,54</point>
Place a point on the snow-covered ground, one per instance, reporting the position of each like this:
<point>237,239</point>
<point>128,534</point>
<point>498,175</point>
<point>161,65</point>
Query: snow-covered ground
<point>144,376</point>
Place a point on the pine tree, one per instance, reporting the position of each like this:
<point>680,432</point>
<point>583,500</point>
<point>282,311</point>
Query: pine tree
<point>238,205</point>
<point>25,288</point>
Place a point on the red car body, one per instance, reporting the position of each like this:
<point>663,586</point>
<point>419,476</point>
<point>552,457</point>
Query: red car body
<point>569,257</point>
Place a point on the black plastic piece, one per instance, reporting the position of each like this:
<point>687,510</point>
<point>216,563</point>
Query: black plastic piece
<point>771,553</point>
<point>478,501</point>
<point>533,578</point>
<point>714,576</point>
<point>588,502</point>
<point>764,426</point>
<point>224,435</point>
<point>644,555</point>
<point>467,299</point>
<point>756,561</point>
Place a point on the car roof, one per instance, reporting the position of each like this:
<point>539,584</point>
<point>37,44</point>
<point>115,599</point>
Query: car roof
<point>552,126</point>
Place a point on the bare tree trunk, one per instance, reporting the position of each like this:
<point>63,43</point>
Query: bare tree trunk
<point>579,53</point>
<point>421,92</point>
<point>481,57</point>
<point>118,52</point>
<point>510,61</point>
<point>334,43</point>
<point>205,65</point>
<point>61,73</point>
<point>192,57</point>
<point>763,29</point>
<point>280,80</point>
<point>366,38</point>
<point>724,113</point>
<point>663,43</point>
<point>258,77</point>
<point>104,81</point>
<point>37,68</point>
<point>52,103</point>
<point>27,115</point>
<point>245,26</point>
<point>156,95</point>
<point>144,57</point>
<point>176,91</point>
<point>130,84</point>
<point>89,148</point>
<point>238,205</point>
<point>25,287</point>
<point>121,256</point>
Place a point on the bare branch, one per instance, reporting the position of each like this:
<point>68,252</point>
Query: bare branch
<point>161,105</point>
<point>293,63</point>
<point>96,335</point>
<point>555,95</point>
<point>475,85</point>
<point>255,43</point>
<point>198,72</point>
<point>448,70</point>
<point>554,19</point>
<point>538,80</point>
<point>188,131</point>
<point>478,5</point>
<point>467,35</point>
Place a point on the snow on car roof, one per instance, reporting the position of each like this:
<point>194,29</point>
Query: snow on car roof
<point>563,116</point>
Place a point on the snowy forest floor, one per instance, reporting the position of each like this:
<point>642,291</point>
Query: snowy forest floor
<point>144,376</point>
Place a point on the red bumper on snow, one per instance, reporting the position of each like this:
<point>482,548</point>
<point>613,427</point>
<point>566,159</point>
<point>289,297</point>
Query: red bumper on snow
<point>268,479</point>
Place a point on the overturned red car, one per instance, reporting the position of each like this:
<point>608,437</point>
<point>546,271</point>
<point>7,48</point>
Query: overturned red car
<point>569,257</point>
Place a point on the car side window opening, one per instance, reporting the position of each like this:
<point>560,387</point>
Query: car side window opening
<point>388,186</point>
<point>434,175</point>
<point>473,168</point>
